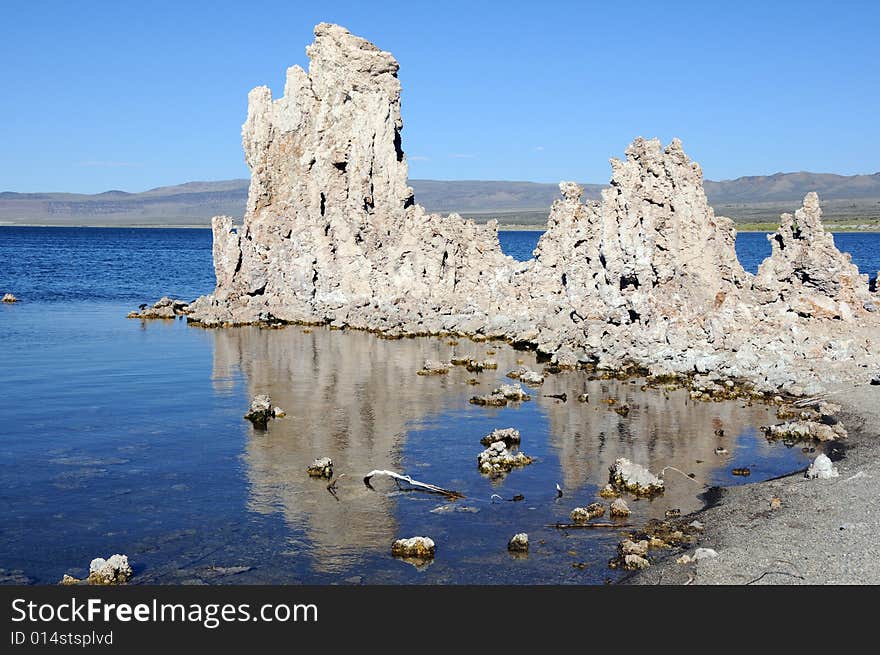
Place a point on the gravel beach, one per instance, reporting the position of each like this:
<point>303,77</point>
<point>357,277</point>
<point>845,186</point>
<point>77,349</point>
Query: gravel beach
<point>820,532</point>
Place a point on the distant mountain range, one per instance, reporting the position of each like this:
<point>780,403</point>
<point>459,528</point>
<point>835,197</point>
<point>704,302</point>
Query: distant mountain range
<point>746,199</point>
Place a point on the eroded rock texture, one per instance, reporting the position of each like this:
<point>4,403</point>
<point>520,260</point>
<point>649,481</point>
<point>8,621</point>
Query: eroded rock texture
<point>648,276</point>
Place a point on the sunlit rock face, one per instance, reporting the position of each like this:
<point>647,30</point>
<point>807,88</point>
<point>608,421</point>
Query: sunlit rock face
<point>331,230</point>
<point>646,276</point>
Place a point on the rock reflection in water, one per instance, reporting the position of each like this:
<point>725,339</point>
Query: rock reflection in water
<point>358,399</point>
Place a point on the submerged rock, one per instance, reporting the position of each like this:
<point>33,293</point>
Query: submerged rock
<point>322,467</point>
<point>433,367</point>
<point>414,547</point>
<point>821,468</point>
<point>497,460</point>
<point>510,437</point>
<point>519,543</point>
<point>9,298</point>
<point>634,478</point>
<point>629,547</point>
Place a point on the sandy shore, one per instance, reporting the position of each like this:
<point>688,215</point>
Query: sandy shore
<point>823,533</point>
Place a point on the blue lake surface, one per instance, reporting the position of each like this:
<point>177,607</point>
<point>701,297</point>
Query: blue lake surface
<point>127,436</point>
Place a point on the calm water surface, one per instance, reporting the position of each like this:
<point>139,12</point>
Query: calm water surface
<point>123,436</point>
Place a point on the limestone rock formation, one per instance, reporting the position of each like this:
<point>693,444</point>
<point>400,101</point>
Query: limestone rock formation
<point>331,231</point>
<point>645,278</point>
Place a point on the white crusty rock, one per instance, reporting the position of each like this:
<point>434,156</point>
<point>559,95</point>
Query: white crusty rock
<point>519,543</point>
<point>704,554</point>
<point>802,430</point>
<point>619,509</point>
<point>322,467</point>
<point>821,468</point>
<point>113,570</point>
<point>634,478</point>
<point>510,437</point>
<point>646,276</point>
<point>497,460</point>
<point>591,511</point>
<point>414,547</point>
<point>261,410</point>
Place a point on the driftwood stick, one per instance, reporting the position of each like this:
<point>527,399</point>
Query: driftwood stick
<point>398,478</point>
<point>583,526</point>
<point>333,486</point>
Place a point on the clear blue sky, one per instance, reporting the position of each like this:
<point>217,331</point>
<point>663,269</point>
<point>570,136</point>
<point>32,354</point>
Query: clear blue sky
<point>124,95</point>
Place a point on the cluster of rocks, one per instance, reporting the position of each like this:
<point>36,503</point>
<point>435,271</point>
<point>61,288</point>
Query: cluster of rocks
<point>816,421</point>
<point>433,367</point>
<point>633,551</point>
<point>646,276</point>
<point>262,411</point>
<point>498,459</point>
<point>526,375</point>
<point>114,570</point>
<point>501,396</point>
<point>588,513</point>
<point>9,298</point>
<point>165,307</point>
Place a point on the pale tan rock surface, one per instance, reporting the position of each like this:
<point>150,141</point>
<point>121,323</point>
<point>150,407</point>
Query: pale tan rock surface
<point>646,277</point>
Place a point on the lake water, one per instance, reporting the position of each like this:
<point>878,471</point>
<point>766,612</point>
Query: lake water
<point>127,436</point>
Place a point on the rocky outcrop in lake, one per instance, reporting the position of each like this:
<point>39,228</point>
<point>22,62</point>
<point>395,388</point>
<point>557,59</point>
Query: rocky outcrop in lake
<point>647,277</point>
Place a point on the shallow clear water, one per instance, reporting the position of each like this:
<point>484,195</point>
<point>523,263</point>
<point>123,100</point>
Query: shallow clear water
<point>123,436</point>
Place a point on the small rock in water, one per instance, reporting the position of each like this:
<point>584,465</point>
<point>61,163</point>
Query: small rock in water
<point>114,570</point>
<point>673,513</point>
<point>519,543</point>
<point>591,511</point>
<point>509,436</point>
<point>742,472</point>
<point>608,491</point>
<point>260,411</point>
<point>433,367</point>
<point>414,547</point>
<point>619,508</point>
<point>720,451</point>
<point>9,298</point>
<point>634,478</point>
<point>497,460</point>
<point>821,468</point>
<point>321,468</point>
